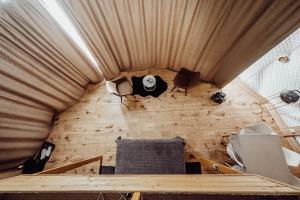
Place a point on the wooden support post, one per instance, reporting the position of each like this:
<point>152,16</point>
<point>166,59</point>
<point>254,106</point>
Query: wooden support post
<point>136,196</point>
<point>65,168</point>
<point>291,135</point>
<point>212,165</point>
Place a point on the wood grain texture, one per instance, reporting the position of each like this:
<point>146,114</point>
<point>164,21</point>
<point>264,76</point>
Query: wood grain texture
<point>212,166</point>
<point>68,167</point>
<point>136,196</point>
<point>202,184</point>
<point>90,127</point>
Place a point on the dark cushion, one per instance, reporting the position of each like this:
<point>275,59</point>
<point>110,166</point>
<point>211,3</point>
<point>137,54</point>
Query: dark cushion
<point>165,156</point>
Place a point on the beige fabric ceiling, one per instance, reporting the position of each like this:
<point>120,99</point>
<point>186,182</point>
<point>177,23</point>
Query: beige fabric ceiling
<point>43,71</point>
<point>219,38</point>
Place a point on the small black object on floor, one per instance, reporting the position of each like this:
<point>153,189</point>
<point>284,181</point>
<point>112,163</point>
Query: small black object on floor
<point>218,97</point>
<point>138,87</point>
<point>107,170</point>
<point>192,168</point>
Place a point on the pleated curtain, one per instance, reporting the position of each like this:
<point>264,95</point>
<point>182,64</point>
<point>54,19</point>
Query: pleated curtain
<point>42,72</point>
<point>219,38</point>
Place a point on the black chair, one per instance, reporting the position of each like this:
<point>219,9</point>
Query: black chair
<point>184,79</point>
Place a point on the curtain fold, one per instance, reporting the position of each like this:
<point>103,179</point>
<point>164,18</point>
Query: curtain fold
<point>214,37</point>
<point>42,72</point>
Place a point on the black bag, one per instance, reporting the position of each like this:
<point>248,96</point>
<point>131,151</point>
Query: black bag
<point>37,163</point>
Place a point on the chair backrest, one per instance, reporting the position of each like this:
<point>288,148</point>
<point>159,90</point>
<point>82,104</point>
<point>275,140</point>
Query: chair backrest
<point>111,87</point>
<point>185,77</point>
<point>259,128</point>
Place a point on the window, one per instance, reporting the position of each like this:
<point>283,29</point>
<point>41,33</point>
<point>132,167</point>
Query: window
<point>61,18</point>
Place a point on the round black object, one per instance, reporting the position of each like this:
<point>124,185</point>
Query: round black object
<point>218,97</point>
<point>138,87</point>
<point>289,96</point>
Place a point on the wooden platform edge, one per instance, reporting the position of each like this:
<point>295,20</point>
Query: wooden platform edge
<point>279,182</point>
<point>232,184</point>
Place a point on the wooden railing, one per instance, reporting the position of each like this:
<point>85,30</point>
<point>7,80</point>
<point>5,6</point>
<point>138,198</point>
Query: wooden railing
<point>68,167</point>
<point>231,182</point>
<point>241,184</point>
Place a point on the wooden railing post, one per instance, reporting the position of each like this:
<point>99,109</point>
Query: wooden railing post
<point>136,196</point>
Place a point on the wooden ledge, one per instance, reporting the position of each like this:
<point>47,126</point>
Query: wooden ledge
<point>192,184</point>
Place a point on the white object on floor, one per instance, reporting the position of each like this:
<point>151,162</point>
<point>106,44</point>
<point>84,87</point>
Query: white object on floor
<point>46,152</point>
<point>232,155</point>
<point>259,150</point>
<point>262,154</point>
<point>292,158</point>
<point>298,139</point>
<point>111,87</point>
<point>149,83</point>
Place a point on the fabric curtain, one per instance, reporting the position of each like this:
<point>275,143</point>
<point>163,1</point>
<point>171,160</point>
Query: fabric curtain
<point>41,73</point>
<point>219,38</point>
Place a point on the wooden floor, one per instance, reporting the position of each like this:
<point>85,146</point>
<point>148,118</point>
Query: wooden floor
<point>91,127</point>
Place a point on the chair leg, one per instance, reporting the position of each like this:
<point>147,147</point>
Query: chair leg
<point>173,88</point>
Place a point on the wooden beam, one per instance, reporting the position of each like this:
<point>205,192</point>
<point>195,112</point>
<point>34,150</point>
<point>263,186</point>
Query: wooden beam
<point>191,184</point>
<point>292,135</point>
<point>209,164</point>
<point>214,166</point>
<point>65,168</point>
<point>136,196</point>
<point>10,173</point>
<point>294,144</point>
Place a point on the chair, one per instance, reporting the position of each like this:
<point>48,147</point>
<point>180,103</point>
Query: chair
<point>258,150</point>
<point>184,78</point>
<point>120,87</point>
